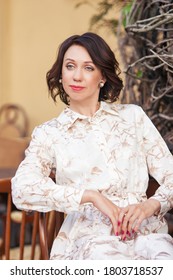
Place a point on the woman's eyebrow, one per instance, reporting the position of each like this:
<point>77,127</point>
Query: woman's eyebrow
<point>71,59</point>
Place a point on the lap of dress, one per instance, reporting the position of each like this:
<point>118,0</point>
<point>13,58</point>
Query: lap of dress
<point>88,236</point>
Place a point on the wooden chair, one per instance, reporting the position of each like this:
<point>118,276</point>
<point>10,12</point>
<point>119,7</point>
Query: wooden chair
<point>13,143</point>
<point>49,226</point>
<point>24,219</point>
<point>5,188</point>
<point>13,121</point>
<point>11,154</point>
<point>6,250</point>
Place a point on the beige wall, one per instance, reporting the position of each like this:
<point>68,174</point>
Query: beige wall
<point>31,31</point>
<point>4,45</point>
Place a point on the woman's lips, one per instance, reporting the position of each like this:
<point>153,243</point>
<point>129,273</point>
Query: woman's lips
<point>76,88</point>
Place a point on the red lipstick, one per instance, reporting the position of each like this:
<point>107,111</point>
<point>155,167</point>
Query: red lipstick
<point>76,88</point>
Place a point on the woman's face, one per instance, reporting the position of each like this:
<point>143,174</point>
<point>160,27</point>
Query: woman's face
<point>80,76</point>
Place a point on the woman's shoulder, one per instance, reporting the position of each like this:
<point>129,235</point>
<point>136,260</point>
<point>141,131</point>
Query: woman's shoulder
<point>125,107</point>
<point>47,124</point>
<point>49,128</point>
<point>54,126</point>
<point>127,110</point>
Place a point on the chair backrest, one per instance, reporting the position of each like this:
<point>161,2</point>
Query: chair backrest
<point>13,121</point>
<point>13,135</point>
<point>152,187</point>
<point>6,216</point>
<point>49,226</point>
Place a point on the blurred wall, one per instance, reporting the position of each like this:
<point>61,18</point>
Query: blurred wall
<point>31,31</point>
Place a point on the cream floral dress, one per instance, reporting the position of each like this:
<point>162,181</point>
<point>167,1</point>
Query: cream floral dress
<point>111,152</point>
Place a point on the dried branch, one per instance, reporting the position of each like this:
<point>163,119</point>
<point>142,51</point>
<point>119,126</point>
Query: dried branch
<point>153,24</point>
<point>149,72</point>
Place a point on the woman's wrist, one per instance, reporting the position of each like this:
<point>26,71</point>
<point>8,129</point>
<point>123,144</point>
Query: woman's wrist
<point>153,207</point>
<point>89,196</point>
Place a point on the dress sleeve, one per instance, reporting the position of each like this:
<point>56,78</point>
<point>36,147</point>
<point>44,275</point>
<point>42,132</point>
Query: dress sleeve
<point>160,163</point>
<point>33,189</point>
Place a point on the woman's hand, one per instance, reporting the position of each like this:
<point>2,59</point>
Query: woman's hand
<point>104,205</point>
<point>125,221</point>
<point>131,217</point>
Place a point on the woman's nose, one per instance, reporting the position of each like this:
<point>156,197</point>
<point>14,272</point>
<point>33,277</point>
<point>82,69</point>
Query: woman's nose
<point>77,76</point>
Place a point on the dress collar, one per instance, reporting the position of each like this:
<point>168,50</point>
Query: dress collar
<point>68,117</point>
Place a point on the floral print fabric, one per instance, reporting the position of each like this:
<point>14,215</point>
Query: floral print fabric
<point>111,152</point>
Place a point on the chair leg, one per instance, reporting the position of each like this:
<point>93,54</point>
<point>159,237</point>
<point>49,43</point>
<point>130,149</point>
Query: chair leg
<point>34,234</point>
<point>22,235</point>
<point>43,222</point>
<point>8,229</point>
<point>2,249</point>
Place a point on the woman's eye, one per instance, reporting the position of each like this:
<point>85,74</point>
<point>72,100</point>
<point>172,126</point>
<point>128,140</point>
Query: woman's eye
<point>70,66</point>
<point>89,68</point>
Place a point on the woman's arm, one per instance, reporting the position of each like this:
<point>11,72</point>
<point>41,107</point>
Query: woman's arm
<point>124,220</point>
<point>160,166</point>
<point>159,162</point>
<point>33,189</point>
<point>104,205</point>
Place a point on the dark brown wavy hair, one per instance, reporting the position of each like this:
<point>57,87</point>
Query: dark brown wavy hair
<point>101,55</point>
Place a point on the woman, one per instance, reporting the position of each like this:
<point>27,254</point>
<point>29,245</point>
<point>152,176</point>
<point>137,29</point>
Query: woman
<point>103,154</point>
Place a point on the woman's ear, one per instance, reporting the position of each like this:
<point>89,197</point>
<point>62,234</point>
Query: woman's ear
<point>103,79</point>
<point>102,82</point>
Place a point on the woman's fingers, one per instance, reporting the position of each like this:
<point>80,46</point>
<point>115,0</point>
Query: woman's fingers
<point>130,219</point>
<point>123,219</point>
<point>114,220</point>
<point>108,208</point>
<point>121,222</point>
